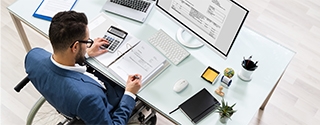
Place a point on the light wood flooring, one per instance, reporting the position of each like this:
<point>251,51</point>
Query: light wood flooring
<point>292,23</point>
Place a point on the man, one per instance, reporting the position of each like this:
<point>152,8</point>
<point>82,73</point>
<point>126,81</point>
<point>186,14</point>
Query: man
<point>64,82</point>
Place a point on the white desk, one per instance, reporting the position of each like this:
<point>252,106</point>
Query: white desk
<point>249,96</point>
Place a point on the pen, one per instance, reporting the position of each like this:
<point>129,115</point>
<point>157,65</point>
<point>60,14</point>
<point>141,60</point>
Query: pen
<point>249,64</point>
<point>248,60</point>
<point>136,77</point>
<point>120,56</point>
<point>174,110</point>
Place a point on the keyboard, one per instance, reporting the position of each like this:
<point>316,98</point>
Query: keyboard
<point>140,5</point>
<point>168,47</point>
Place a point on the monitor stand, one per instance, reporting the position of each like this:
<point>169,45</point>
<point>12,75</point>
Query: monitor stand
<point>187,39</point>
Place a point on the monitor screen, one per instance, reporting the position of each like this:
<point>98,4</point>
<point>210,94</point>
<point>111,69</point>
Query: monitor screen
<point>215,22</point>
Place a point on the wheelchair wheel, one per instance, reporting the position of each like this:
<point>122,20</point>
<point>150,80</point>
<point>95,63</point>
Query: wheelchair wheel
<point>152,120</point>
<point>42,113</point>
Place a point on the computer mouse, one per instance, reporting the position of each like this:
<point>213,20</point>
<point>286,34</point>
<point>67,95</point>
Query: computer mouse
<point>180,85</point>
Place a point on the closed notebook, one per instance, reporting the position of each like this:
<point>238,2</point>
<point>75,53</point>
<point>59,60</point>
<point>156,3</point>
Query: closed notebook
<point>199,105</point>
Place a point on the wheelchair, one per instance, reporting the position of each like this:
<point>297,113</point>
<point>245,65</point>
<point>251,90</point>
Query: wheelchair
<point>42,113</point>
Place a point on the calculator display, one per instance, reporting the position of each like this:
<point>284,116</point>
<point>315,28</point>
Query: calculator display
<point>118,32</point>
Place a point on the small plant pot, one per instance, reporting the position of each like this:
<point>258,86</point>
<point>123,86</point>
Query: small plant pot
<point>225,111</point>
<point>223,119</point>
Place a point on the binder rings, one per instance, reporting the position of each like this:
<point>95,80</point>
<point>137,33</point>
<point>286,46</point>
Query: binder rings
<point>199,105</point>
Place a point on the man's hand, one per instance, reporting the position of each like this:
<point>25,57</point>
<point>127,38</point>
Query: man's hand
<point>95,50</point>
<point>133,83</point>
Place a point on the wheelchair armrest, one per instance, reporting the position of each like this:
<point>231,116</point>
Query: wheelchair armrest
<point>76,121</point>
<point>21,84</point>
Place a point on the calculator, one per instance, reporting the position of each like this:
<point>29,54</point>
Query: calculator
<point>115,37</point>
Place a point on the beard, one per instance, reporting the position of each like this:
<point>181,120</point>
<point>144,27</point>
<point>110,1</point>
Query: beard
<point>80,59</point>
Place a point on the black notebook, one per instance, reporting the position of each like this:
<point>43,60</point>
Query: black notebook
<point>199,105</point>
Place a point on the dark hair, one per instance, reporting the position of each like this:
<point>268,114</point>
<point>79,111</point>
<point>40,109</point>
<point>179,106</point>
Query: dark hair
<point>67,27</point>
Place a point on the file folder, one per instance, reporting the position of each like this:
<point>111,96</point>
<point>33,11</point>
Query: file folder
<point>48,8</point>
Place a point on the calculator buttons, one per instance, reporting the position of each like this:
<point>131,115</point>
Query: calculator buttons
<point>113,41</point>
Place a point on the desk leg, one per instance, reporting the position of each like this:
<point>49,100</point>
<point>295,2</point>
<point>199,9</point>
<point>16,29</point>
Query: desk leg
<point>267,99</point>
<point>21,32</point>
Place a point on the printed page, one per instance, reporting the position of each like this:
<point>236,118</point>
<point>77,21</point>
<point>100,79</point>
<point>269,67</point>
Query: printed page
<point>142,59</point>
<point>108,58</point>
<point>51,7</point>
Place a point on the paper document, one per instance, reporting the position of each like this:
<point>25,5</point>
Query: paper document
<point>142,59</point>
<point>107,58</point>
<point>132,57</point>
<point>48,8</point>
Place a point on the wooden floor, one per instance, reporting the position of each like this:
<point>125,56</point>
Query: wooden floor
<point>292,23</point>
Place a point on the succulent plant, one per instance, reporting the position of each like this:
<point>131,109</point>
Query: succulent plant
<point>225,110</point>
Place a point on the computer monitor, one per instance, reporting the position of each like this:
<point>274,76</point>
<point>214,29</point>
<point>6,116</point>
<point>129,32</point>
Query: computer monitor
<point>215,23</point>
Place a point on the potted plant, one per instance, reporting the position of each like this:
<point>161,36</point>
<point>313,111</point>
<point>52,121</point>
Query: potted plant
<point>225,111</point>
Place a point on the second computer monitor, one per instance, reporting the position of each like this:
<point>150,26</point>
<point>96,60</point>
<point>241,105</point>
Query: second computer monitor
<point>214,22</point>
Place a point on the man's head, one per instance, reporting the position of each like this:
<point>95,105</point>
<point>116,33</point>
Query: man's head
<point>68,32</point>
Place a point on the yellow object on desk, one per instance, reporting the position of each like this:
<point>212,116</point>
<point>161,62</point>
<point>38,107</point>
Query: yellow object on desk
<point>210,74</point>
